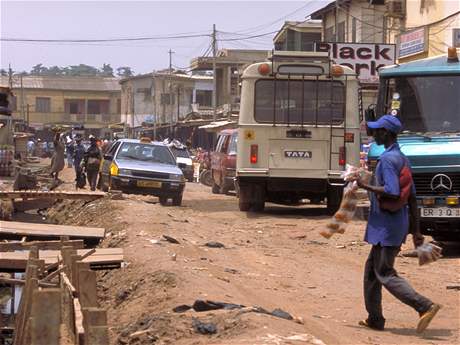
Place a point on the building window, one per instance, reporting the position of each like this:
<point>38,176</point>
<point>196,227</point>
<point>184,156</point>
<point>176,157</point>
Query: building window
<point>74,106</point>
<point>290,34</point>
<point>43,104</point>
<point>204,97</point>
<point>118,106</point>
<point>98,106</point>
<point>308,40</point>
<point>341,32</point>
<point>329,34</point>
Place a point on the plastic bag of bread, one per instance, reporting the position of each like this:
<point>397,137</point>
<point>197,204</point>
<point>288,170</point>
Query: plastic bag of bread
<point>428,253</point>
<point>347,208</point>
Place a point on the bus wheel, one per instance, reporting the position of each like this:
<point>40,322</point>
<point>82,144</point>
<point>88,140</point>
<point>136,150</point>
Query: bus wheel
<point>334,198</point>
<point>259,198</point>
<point>244,198</point>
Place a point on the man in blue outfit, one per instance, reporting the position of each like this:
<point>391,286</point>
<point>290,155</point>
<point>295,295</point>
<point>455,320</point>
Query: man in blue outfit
<point>387,230</point>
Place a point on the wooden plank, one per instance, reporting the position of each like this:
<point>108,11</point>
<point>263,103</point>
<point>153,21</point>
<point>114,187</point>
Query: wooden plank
<point>78,317</point>
<point>11,281</point>
<point>46,317</point>
<point>41,245</point>
<point>97,335</point>
<point>95,324</point>
<point>48,230</point>
<point>18,260</point>
<point>70,195</point>
<point>87,292</point>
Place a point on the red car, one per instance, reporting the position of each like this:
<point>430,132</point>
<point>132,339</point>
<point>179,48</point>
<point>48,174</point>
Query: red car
<point>223,162</point>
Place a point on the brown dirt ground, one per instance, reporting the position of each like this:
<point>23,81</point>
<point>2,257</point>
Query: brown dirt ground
<point>274,260</point>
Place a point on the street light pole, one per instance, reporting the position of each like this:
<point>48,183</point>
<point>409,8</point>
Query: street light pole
<point>214,76</point>
<point>170,95</point>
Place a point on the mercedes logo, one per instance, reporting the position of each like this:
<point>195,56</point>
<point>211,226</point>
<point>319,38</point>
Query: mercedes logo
<point>441,182</point>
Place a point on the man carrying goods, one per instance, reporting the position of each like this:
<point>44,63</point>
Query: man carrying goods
<point>392,197</point>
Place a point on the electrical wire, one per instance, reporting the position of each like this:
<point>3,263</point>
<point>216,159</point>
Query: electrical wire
<point>132,39</point>
<point>247,38</point>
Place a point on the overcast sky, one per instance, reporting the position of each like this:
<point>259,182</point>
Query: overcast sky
<point>123,19</point>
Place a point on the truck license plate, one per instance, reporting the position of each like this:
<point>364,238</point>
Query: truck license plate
<point>440,212</point>
<point>149,184</point>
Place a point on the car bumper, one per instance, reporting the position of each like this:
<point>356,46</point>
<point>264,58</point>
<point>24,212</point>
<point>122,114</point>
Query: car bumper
<point>131,185</point>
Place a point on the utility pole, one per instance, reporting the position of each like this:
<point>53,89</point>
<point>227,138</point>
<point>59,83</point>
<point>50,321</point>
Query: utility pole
<point>28,114</point>
<point>170,95</point>
<point>154,103</point>
<point>214,74</point>
<point>336,20</point>
<point>22,101</point>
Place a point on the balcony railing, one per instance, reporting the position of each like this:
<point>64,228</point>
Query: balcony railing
<point>58,117</point>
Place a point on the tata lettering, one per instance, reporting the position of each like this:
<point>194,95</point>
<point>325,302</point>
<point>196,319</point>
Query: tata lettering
<point>364,59</point>
<point>297,154</point>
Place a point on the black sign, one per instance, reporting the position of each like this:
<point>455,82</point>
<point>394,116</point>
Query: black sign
<point>298,133</point>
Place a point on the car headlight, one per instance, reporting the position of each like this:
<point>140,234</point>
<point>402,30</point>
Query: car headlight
<point>113,169</point>
<point>176,177</point>
<point>124,172</point>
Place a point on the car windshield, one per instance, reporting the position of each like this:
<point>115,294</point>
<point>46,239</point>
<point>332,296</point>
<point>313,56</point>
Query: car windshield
<point>146,153</point>
<point>427,103</point>
<point>183,153</point>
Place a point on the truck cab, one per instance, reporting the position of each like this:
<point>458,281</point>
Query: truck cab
<point>425,96</point>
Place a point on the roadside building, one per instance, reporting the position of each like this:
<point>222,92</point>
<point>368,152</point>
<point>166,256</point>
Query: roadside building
<point>230,64</point>
<point>160,101</point>
<point>298,36</point>
<point>44,101</point>
<point>430,28</point>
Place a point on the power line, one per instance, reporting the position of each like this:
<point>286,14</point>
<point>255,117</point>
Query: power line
<point>249,37</point>
<point>131,39</point>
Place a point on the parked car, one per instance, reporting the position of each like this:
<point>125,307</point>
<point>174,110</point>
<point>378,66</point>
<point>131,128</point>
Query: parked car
<point>143,167</point>
<point>223,162</point>
<point>183,159</point>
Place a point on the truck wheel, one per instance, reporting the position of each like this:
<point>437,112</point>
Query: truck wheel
<point>177,199</point>
<point>244,198</point>
<point>163,200</point>
<point>215,188</point>
<point>258,204</point>
<point>334,198</point>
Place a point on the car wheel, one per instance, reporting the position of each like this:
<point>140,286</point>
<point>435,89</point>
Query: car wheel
<point>177,199</point>
<point>163,200</point>
<point>215,188</point>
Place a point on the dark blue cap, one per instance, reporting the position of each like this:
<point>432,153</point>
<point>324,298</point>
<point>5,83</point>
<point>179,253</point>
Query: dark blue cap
<point>389,122</point>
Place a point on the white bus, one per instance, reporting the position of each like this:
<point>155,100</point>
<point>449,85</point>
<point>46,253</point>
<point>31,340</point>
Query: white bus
<point>298,128</point>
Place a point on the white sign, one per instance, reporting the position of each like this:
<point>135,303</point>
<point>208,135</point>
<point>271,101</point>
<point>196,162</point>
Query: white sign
<point>364,58</point>
<point>413,42</point>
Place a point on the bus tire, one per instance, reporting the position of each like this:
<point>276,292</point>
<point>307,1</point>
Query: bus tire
<point>334,198</point>
<point>244,202</point>
<point>258,204</point>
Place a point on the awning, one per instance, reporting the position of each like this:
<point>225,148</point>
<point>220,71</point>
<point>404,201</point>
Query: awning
<point>218,125</point>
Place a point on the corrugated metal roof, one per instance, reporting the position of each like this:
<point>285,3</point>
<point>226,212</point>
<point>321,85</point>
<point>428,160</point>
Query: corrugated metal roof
<point>65,83</point>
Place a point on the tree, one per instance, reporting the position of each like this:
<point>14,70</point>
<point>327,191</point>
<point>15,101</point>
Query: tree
<point>38,69</point>
<point>124,72</point>
<point>3,72</point>
<point>107,70</point>
<point>83,70</point>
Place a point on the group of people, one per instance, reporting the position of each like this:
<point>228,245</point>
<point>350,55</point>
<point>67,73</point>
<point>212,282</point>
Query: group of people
<point>86,161</point>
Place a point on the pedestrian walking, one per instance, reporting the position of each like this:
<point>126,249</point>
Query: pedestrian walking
<point>393,214</point>
<point>78,156</point>
<point>92,159</point>
<point>57,161</point>
<point>69,150</point>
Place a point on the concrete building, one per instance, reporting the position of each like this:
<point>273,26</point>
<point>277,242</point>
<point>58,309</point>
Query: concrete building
<point>230,64</point>
<point>298,36</point>
<point>44,101</point>
<point>162,98</point>
<point>430,28</point>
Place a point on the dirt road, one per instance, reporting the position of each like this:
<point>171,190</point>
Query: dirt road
<point>273,260</point>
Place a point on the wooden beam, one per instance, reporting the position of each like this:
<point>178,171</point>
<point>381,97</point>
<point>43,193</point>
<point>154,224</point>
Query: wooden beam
<point>87,291</point>
<point>12,281</point>
<point>69,195</point>
<point>46,317</point>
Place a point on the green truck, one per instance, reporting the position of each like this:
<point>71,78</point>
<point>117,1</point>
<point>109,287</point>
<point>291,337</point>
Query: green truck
<point>425,95</point>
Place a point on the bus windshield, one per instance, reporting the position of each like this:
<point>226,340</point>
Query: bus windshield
<point>427,103</point>
<point>299,102</point>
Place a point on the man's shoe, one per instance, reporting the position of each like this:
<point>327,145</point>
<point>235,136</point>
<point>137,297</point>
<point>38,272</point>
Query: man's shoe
<point>372,325</point>
<point>427,316</point>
